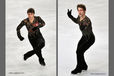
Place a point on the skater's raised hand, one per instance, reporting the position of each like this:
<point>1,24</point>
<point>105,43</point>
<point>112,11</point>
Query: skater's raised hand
<point>69,12</point>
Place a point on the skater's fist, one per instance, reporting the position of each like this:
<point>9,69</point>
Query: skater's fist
<point>69,12</point>
<point>21,38</point>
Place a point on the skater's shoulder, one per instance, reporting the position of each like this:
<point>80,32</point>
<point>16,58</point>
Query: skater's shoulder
<point>25,20</point>
<point>38,17</point>
<point>87,18</point>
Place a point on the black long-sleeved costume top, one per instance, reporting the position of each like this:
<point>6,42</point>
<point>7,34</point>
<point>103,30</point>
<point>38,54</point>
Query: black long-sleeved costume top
<point>85,25</point>
<point>33,28</point>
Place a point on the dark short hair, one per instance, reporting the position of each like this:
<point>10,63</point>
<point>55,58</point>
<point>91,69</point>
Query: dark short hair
<point>30,10</point>
<point>81,6</point>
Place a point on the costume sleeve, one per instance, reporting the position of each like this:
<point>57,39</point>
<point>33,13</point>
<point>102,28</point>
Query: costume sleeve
<point>74,19</point>
<point>18,29</point>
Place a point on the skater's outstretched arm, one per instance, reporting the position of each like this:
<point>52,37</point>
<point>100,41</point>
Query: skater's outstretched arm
<point>41,23</point>
<point>71,17</point>
<point>18,30</point>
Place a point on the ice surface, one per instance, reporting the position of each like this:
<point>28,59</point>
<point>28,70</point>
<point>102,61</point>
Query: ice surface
<point>15,13</point>
<point>69,35</point>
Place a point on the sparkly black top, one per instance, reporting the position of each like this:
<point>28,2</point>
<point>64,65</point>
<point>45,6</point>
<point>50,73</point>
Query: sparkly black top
<point>85,25</point>
<point>33,28</point>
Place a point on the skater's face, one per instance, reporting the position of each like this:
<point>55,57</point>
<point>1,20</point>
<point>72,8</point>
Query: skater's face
<point>30,15</point>
<point>81,12</point>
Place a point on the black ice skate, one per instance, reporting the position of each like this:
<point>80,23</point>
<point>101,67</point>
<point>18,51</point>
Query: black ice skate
<point>76,71</point>
<point>42,62</point>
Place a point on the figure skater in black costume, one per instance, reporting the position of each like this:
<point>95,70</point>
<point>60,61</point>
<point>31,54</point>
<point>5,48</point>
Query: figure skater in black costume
<point>33,25</point>
<point>87,38</point>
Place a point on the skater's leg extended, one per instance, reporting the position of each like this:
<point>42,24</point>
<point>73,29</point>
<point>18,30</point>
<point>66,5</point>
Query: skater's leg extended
<point>32,52</point>
<point>38,44</point>
<point>80,52</point>
<point>38,51</point>
<point>28,54</point>
<point>83,45</point>
<point>39,54</point>
<point>79,55</point>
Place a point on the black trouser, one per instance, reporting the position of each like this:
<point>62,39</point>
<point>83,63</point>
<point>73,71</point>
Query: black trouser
<point>83,45</point>
<point>37,44</point>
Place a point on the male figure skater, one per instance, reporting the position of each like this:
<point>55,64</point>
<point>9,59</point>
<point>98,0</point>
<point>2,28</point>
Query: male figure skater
<point>87,38</point>
<point>33,25</point>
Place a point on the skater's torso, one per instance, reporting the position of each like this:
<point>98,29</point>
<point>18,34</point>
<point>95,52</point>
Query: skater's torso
<point>85,26</point>
<point>34,26</point>
<point>30,26</point>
